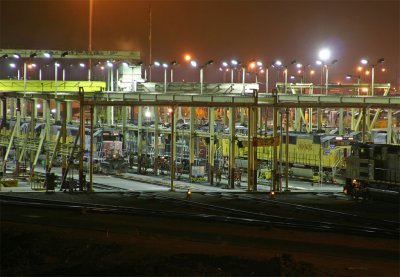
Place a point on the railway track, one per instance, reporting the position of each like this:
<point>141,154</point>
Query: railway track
<point>206,212</point>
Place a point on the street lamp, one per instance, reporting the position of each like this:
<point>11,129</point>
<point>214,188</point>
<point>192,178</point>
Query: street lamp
<point>195,64</point>
<point>172,64</point>
<point>324,55</point>
<point>365,62</point>
<point>165,66</point>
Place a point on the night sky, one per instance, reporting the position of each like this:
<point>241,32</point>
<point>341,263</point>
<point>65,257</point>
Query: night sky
<point>218,30</point>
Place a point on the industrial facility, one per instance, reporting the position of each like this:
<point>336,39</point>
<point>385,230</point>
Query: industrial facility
<point>114,121</point>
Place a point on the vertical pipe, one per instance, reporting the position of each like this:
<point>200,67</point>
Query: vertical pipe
<point>372,80</point>
<point>287,151</point>
<point>364,114</point>
<point>389,131</point>
<point>249,150</point>
<point>191,139</point>
<point>232,147</point>
<point>341,127</point>
<point>201,80</point>
<point>172,165</point>
<point>243,79</point>
<point>165,80</point>
<point>156,135</point>
<point>25,78</point>
<point>211,147</point>
<point>81,139</point>
<point>4,111</point>
<point>275,175</point>
<point>286,72</point>
<point>64,139</point>
<point>326,80</point>
<point>90,188</point>
<point>281,151</point>
<point>139,137</point>
<point>55,78</point>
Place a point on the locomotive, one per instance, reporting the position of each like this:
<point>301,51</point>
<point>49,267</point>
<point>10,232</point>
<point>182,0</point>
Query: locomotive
<point>309,154</point>
<point>373,171</point>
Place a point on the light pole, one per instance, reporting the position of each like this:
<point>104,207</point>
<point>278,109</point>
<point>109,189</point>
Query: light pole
<point>225,68</point>
<point>325,55</point>
<point>165,66</point>
<point>195,64</point>
<point>172,64</point>
<point>365,62</point>
<point>147,114</point>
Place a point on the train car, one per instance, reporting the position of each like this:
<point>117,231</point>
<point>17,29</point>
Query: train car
<point>110,156</point>
<point>373,170</point>
<point>309,154</point>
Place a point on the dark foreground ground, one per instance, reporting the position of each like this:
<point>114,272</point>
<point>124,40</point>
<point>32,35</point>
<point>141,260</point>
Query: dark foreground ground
<point>43,242</point>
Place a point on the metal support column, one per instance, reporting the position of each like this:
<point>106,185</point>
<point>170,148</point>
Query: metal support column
<point>58,109</point>
<point>156,135</point>
<point>287,151</point>
<point>32,132</point>
<point>211,146</point>
<point>275,175</point>
<point>297,119</point>
<point>232,147</point>
<point>363,124</point>
<point>140,138</point>
<point>4,117</point>
<point>81,138</point>
<point>172,165</point>
<point>389,127</point>
<point>46,114</point>
<point>252,150</point>
<point>68,111</point>
<point>124,115</point>
<point>35,108</point>
<point>191,139</point>
<point>90,188</point>
<point>341,128</point>
<point>64,138</point>
<point>319,119</point>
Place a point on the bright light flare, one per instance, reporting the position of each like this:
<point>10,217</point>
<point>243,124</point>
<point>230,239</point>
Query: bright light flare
<point>193,63</point>
<point>364,61</point>
<point>188,57</point>
<point>324,54</point>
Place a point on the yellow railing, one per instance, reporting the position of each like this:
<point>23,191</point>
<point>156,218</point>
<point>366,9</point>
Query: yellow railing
<point>51,86</point>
